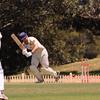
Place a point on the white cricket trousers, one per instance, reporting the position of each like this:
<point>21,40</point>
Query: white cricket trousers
<point>1,78</point>
<point>42,58</point>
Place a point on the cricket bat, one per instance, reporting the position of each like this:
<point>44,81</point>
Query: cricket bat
<point>17,41</point>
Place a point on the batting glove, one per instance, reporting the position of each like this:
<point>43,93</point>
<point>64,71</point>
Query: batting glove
<point>27,54</point>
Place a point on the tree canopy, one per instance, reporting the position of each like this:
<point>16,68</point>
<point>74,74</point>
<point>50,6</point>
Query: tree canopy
<point>69,29</point>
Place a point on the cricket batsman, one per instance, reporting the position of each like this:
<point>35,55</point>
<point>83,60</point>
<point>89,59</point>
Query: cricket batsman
<point>39,55</point>
<point>2,95</point>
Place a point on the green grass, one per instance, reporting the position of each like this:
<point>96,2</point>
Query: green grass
<point>29,91</point>
<point>94,64</point>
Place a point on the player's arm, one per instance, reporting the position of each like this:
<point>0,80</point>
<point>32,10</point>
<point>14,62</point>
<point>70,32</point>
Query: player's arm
<point>35,47</point>
<point>21,46</point>
<point>25,52</point>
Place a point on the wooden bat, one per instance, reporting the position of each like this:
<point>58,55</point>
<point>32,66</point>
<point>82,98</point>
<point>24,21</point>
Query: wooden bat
<point>17,41</point>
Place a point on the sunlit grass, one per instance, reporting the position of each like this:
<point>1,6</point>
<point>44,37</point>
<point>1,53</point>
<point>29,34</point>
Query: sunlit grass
<point>29,91</point>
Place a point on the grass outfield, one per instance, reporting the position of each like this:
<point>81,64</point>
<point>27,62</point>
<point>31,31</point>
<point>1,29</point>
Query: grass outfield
<point>29,91</point>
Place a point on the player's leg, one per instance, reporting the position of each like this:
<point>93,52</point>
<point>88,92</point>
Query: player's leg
<point>45,63</point>
<point>34,69</point>
<point>2,96</point>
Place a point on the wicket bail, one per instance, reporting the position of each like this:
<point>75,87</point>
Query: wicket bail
<point>85,71</point>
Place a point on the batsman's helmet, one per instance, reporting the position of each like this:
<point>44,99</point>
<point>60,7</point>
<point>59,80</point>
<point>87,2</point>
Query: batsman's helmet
<point>22,35</point>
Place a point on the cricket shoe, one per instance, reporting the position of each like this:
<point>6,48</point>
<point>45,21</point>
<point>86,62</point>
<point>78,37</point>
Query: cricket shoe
<point>42,81</point>
<point>3,97</point>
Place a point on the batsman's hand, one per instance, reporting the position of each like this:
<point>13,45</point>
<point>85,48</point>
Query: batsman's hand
<point>26,53</point>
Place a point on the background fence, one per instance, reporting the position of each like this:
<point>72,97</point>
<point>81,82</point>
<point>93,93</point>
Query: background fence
<point>50,79</point>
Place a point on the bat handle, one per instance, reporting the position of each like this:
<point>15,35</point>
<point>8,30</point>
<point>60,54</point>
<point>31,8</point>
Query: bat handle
<point>21,46</point>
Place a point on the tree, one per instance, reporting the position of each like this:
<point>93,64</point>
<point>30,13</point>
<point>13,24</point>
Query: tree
<point>66,28</point>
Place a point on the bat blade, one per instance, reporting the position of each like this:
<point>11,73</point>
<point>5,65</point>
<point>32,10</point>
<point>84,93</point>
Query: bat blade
<point>17,41</point>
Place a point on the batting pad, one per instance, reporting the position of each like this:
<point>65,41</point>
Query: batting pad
<point>36,73</point>
<point>1,80</point>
